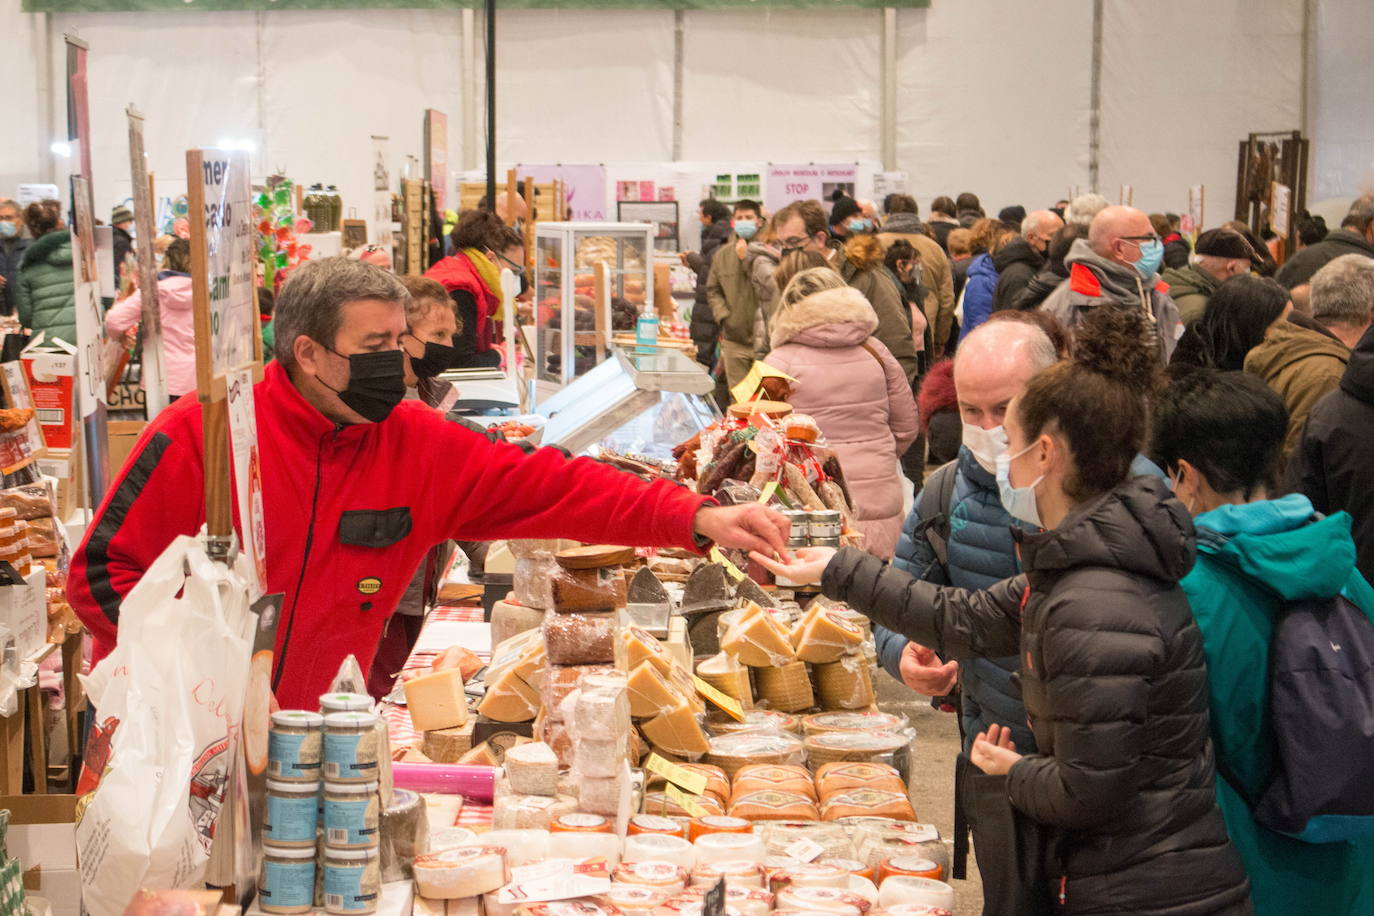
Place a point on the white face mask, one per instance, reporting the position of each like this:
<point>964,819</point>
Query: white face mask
<point>1018,501</point>
<point>986,445</point>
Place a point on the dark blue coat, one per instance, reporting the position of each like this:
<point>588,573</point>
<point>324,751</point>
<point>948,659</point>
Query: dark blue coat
<point>979,291</point>
<point>980,553</point>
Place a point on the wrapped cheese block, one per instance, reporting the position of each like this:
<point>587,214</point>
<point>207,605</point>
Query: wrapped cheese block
<point>532,581</point>
<point>728,676</point>
<point>582,590</point>
<point>867,803</point>
<point>660,803</point>
<point>557,736</point>
<point>852,866</point>
<point>845,684</point>
<point>523,655</point>
<point>732,752</point>
<point>780,836</point>
<point>602,709</point>
<point>677,731</point>
<point>878,839</point>
<point>598,759</point>
<point>650,693</point>
<point>758,640</point>
<point>728,847</point>
<point>532,769</point>
<point>509,699</point>
<point>917,909</point>
<point>662,876</point>
<point>561,680</point>
<point>780,777</point>
<point>606,796</point>
<point>787,688</point>
<point>837,901</point>
<point>809,874</point>
<point>530,812</point>
<point>681,679</point>
<point>868,747</point>
<point>633,899</point>
<point>641,646</point>
<point>825,636</point>
<point>463,872</point>
<point>772,805</point>
<point>823,722</point>
<point>756,720</point>
<point>585,846</point>
<point>658,848</point>
<point>837,777</point>
<point>437,700</point>
<point>737,873</point>
<point>579,639</point>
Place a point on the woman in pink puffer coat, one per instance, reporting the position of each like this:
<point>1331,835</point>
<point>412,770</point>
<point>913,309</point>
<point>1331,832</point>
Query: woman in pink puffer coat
<point>822,335</point>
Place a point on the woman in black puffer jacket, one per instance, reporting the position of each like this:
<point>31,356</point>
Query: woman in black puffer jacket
<point>1112,670</point>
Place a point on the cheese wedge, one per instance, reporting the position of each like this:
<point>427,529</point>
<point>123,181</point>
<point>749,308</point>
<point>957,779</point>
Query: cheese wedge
<point>677,732</point>
<point>650,694</point>
<point>641,646</point>
<point>825,637</point>
<point>758,641</point>
<point>437,700</point>
<point>481,755</point>
<point>464,872</point>
<point>509,699</point>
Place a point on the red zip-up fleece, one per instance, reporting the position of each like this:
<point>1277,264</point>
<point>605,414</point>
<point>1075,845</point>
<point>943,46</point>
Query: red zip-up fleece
<point>350,511</point>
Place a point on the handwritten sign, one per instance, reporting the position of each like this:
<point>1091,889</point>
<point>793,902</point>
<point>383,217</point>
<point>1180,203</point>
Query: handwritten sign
<point>222,211</point>
<point>691,781</point>
<point>723,700</point>
<point>684,801</point>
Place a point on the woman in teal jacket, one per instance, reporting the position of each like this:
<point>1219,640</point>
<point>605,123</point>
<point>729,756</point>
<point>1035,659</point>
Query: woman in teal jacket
<point>46,297</point>
<point>1219,436</point>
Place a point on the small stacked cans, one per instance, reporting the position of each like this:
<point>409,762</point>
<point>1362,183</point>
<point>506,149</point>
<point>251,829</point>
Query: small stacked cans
<point>813,528</point>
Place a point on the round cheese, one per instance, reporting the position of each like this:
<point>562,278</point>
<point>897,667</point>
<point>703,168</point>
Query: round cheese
<point>732,752</point>
<point>774,805</point>
<point>463,872</point>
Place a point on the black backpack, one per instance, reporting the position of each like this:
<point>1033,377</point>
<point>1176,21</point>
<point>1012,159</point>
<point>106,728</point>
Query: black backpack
<point>1321,708</point>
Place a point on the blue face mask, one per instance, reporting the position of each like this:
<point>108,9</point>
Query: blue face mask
<point>1018,501</point>
<point>8,230</point>
<point>858,225</point>
<point>1151,256</point>
<point>745,228</point>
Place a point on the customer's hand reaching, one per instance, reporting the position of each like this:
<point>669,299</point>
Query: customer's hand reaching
<point>805,568</point>
<point>923,672</point>
<point>993,751</point>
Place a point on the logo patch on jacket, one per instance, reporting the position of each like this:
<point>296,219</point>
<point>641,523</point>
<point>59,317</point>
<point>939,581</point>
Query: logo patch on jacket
<point>370,585</point>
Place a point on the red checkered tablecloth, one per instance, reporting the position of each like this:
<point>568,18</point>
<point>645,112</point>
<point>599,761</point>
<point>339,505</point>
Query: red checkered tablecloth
<point>472,815</point>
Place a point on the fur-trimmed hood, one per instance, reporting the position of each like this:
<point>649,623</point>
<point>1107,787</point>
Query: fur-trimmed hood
<point>864,252</point>
<point>831,318</point>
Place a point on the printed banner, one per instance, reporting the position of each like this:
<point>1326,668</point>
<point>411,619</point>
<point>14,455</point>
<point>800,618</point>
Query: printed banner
<point>786,183</point>
<point>585,185</point>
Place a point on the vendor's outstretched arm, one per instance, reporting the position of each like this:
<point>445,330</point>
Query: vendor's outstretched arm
<point>955,622</point>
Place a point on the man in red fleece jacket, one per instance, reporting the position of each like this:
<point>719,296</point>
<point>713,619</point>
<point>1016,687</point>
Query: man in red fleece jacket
<point>357,485</point>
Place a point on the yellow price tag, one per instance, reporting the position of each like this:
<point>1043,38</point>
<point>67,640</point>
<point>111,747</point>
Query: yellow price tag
<point>749,385</point>
<point>723,700</point>
<point>692,782</point>
<point>769,489</point>
<point>686,802</point>
<point>716,556</point>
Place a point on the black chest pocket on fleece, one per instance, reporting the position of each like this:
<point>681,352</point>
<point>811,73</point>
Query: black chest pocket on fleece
<point>375,527</point>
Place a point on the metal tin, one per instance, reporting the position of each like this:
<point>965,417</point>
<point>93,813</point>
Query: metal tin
<point>801,524</point>
<point>825,542</point>
<point>825,523</point>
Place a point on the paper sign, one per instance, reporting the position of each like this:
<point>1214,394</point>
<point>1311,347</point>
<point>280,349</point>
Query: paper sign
<point>687,779</point>
<point>684,801</point>
<point>556,879</point>
<point>243,438</point>
<point>768,490</point>
<point>786,183</point>
<point>749,385</point>
<point>716,556</point>
<point>230,246</point>
<point>723,700</point>
<point>804,850</point>
<point>1280,208</point>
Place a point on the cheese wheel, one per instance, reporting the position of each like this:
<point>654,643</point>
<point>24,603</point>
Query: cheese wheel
<point>463,872</point>
<point>729,677</point>
<point>778,777</point>
<point>677,731</point>
<point>667,877</point>
<point>736,872</point>
<point>838,901</point>
<point>594,556</point>
<point>809,874</point>
<point>522,846</point>
<point>756,720</point>
<point>641,646</point>
<point>510,618</point>
<point>660,847</point>
<point>655,824</point>
<point>864,888</point>
<point>780,836</point>
<point>824,636</point>
<point>822,722</point>
<point>509,699</point>
<point>562,680</point>
<point>531,812</point>
<point>853,866</point>
<point>836,777</point>
<point>904,889</point>
<point>868,803</point>
<point>728,847</point>
<point>758,640</point>
<point>448,745</point>
<point>437,700</point>
<point>845,684</point>
<point>917,909</point>
<point>910,866</point>
<point>580,822</point>
<point>659,803</point>
<point>831,747</point>
<point>774,805</point>
<point>731,752</point>
<point>717,823</point>
<point>579,639</point>
<point>877,839</point>
<point>787,687</point>
<point>532,769</point>
<point>633,899</point>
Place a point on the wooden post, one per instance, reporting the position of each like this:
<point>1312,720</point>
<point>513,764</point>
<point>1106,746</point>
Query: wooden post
<point>38,741</point>
<point>12,754</point>
<point>510,196</point>
<point>75,702</point>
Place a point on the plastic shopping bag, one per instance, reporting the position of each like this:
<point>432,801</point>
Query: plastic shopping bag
<point>169,704</point>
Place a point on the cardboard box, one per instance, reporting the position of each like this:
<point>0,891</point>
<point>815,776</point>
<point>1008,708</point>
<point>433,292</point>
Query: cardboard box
<point>42,836</point>
<point>24,612</point>
<point>123,436</point>
<point>51,372</point>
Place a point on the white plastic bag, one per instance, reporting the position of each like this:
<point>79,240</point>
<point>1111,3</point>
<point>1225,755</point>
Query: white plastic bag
<point>169,701</point>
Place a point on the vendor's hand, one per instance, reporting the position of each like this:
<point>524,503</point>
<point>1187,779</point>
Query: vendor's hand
<point>993,751</point>
<point>923,673</point>
<point>807,566</point>
<point>748,527</point>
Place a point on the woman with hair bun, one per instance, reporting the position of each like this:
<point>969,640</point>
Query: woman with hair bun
<point>1112,669</point>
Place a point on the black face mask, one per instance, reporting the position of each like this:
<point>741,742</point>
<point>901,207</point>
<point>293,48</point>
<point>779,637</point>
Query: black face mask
<point>376,383</point>
<point>437,358</point>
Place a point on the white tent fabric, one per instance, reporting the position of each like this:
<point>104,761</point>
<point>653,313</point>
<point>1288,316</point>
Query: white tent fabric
<point>992,95</point>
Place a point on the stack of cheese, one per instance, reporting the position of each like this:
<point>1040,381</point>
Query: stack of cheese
<point>599,716</point>
<point>774,792</point>
<point>526,795</point>
<point>759,638</point>
<point>712,800</point>
<point>862,790</point>
<point>833,643</point>
<point>663,697</point>
<point>530,597</point>
<point>861,737</point>
<point>579,631</point>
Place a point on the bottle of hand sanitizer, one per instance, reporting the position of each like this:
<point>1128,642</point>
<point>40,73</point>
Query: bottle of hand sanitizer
<point>646,331</point>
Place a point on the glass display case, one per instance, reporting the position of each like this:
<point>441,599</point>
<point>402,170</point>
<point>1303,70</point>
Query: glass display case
<point>633,404</point>
<point>567,257</point>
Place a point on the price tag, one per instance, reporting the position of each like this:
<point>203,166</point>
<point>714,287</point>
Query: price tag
<point>804,849</point>
<point>687,802</point>
<point>716,556</point>
<point>723,700</point>
<point>692,782</point>
<point>769,489</point>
